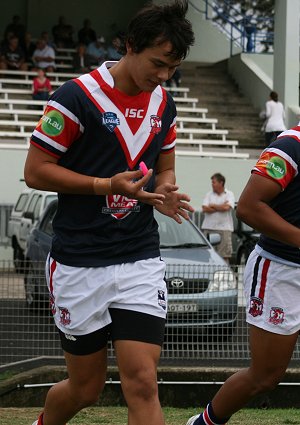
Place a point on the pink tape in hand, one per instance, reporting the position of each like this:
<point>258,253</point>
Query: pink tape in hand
<point>143,167</point>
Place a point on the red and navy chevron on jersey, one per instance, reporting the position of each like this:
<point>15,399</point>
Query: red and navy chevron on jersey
<point>281,162</point>
<point>94,129</point>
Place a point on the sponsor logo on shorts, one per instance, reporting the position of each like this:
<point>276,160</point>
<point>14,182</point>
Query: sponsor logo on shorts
<point>110,120</point>
<point>276,315</point>
<point>161,299</point>
<point>52,123</point>
<point>155,123</point>
<point>52,304</point>
<point>64,316</point>
<point>120,206</point>
<point>256,306</point>
<point>70,337</point>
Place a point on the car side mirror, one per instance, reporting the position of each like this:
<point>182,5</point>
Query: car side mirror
<point>214,238</point>
<point>29,215</point>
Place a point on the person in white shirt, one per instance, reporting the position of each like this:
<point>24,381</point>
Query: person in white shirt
<point>44,56</point>
<point>275,118</point>
<point>217,207</point>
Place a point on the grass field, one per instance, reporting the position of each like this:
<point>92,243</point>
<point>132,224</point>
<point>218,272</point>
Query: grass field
<point>117,416</point>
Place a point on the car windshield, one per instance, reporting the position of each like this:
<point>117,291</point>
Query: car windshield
<point>174,235</point>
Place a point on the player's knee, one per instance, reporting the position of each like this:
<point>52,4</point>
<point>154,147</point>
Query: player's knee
<point>269,383</point>
<point>87,395</point>
<point>143,386</point>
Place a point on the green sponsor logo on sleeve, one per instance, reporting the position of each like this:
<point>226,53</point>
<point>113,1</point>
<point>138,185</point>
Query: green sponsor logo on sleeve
<point>53,123</point>
<point>276,167</point>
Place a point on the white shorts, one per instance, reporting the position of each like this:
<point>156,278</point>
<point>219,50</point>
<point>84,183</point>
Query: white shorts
<point>272,292</point>
<point>81,297</point>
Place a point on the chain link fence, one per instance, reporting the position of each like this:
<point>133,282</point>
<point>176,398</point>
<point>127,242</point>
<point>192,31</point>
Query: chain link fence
<point>203,324</point>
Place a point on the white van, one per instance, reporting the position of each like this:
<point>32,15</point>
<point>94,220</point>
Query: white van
<point>28,208</point>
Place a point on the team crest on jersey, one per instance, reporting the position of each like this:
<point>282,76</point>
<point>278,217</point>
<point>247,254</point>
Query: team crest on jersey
<point>276,315</point>
<point>161,299</point>
<point>64,316</point>
<point>155,123</point>
<point>120,206</point>
<point>256,307</point>
<point>110,120</point>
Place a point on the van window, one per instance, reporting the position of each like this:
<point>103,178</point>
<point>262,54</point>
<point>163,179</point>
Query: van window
<point>33,204</point>
<point>20,205</point>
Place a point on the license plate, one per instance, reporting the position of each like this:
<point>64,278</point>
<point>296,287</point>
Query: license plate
<point>182,308</point>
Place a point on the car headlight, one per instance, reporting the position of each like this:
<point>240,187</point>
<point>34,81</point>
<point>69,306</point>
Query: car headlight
<point>223,280</point>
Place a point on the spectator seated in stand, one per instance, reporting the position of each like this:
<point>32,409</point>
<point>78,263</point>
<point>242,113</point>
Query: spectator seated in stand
<point>16,28</point>
<point>44,56</point>
<point>63,34</point>
<point>46,36</point>
<point>114,50</point>
<point>174,81</point>
<point>82,61</point>
<point>13,56</point>
<point>86,34</point>
<point>41,86</point>
<point>97,51</point>
<point>29,48</point>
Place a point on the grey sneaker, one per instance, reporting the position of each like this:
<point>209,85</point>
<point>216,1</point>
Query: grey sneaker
<point>190,421</point>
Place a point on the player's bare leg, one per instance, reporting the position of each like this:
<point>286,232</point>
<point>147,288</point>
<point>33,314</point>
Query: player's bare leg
<point>86,381</point>
<point>270,354</point>
<point>137,363</point>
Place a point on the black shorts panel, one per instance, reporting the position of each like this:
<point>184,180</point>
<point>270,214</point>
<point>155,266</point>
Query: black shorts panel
<point>81,345</point>
<point>136,326</point>
<point>126,325</point>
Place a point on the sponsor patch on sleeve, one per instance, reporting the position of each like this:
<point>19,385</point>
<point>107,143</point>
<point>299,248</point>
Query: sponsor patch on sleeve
<point>274,166</point>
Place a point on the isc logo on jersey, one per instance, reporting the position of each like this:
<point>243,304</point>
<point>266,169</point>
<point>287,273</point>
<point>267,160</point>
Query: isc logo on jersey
<point>134,113</point>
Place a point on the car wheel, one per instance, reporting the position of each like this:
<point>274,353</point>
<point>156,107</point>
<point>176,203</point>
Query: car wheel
<point>18,257</point>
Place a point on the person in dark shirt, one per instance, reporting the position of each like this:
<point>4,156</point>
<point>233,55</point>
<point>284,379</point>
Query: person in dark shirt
<point>104,272</point>
<point>270,203</point>
<point>86,34</point>
<point>81,61</point>
<point>63,34</point>
<point>12,56</point>
<point>17,28</point>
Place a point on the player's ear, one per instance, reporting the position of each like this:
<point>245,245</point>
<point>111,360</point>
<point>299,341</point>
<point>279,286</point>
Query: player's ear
<point>129,48</point>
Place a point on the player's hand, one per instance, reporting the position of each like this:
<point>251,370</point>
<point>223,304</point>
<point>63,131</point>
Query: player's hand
<point>175,205</point>
<point>130,184</point>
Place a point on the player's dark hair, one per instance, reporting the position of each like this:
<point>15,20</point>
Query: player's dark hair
<point>219,177</point>
<point>156,24</point>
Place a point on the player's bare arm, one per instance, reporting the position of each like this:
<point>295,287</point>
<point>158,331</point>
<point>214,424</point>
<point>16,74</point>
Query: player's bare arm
<point>254,210</point>
<point>43,172</point>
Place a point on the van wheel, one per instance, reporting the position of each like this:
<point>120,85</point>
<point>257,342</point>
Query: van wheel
<point>18,258</point>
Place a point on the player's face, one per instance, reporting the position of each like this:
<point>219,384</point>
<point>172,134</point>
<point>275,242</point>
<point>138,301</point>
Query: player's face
<point>152,66</point>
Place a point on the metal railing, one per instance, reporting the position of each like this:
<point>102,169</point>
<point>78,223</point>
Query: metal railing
<point>202,324</point>
<point>249,33</point>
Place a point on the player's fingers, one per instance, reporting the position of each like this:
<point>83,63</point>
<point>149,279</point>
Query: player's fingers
<point>183,197</point>
<point>142,180</point>
<point>186,206</point>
